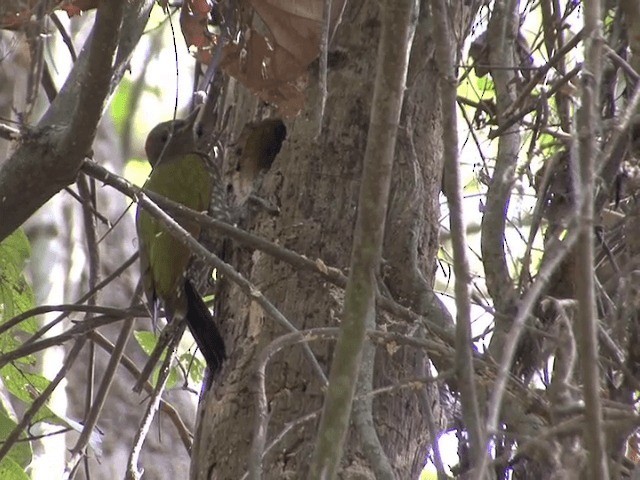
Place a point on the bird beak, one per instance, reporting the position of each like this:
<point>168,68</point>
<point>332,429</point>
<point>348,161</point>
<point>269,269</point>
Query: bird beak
<point>192,121</point>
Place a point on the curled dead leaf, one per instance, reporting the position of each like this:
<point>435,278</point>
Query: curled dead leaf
<point>272,66</point>
<point>16,14</point>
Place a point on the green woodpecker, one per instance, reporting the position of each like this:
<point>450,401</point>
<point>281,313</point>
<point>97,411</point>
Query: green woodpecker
<point>179,172</point>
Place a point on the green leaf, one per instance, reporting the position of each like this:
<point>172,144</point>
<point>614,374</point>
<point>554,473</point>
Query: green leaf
<point>137,171</point>
<point>21,453</point>
<point>196,366</point>
<point>146,340</point>
<point>172,380</point>
<point>428,473</point>
<point>10,470</point>
<point>486,86</point>
<point>16,295</point>
<point>125,99</point>
<point>120,105</point>
<point>194,363</point>
<point>26,386</point>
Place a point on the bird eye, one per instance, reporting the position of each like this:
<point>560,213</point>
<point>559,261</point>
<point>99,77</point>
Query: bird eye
<point>164,137</point>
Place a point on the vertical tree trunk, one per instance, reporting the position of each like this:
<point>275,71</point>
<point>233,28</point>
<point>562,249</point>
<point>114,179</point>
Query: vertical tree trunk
<point>315,185</point>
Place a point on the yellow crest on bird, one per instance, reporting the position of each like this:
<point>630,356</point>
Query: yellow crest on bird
<point>179,173</point>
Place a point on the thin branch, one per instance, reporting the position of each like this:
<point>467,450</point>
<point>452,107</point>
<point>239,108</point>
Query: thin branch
<point>363,420</point>
<point>399,20</point>
<point>167,408</point>
<point>79,329</point>
<point>64,307</point>
<point>555,255</point>
<point>622,63</point>
<point>88,205</point>
<point>519,115</point>
<point>132,465</point>
<point>111,277</point>
<point>587,325</point>
<point>542,71</point>
<point>9,133</point>
<point>612,156</point>
<point>432,321</point>
<point>445,51</point>
<point>172,330</point>
<point>502,30</point>
<point>434,432</point>
<point>96,213</point>
<point>258,450</point>
<point>101,395</point>
<point>323,66</point>
<point>66,38</point>
<point>39,402</point>
<point>571,426</point>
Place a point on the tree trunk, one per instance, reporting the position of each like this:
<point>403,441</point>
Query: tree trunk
<point>315,186</point>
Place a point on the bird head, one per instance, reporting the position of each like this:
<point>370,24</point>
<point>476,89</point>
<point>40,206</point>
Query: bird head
<point>171,138</point>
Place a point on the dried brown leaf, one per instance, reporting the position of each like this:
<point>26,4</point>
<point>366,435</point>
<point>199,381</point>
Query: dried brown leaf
<point>76,7</point>
<point>274,67</point>
<point>16,14</point>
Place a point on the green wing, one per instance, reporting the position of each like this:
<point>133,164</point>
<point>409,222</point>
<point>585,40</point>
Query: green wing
<point>164,259</point>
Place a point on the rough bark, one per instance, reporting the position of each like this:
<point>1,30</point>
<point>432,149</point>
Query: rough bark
<point>315,186</point>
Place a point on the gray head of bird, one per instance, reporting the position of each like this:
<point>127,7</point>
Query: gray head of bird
<point>171,138</point>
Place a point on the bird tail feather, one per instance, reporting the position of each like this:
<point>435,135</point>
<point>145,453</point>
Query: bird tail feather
<point>204,329</point>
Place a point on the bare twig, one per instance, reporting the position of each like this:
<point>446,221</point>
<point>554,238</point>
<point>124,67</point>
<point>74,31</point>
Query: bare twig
<point>323,333</point>
<point>112,315</point>
<point>88,206</point>
<point>363,420</point>
<point>65,307</point>
<point>39,402</point>
<point>130,366</point>
<point>101,395</point>
<point>587,147</point>
<point>98,215</point>
<point>111,277</point>
<point>132,465</point>
<point>323,62</point>
<point>502,31</point>
<point>542,71</point>
<point>66,38</point>
<point>173,329</point>
<point>519,115</point>
<point>9,133</point>
<point>622,63</point>
<point>612,157</point>
<point>445,51</point>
